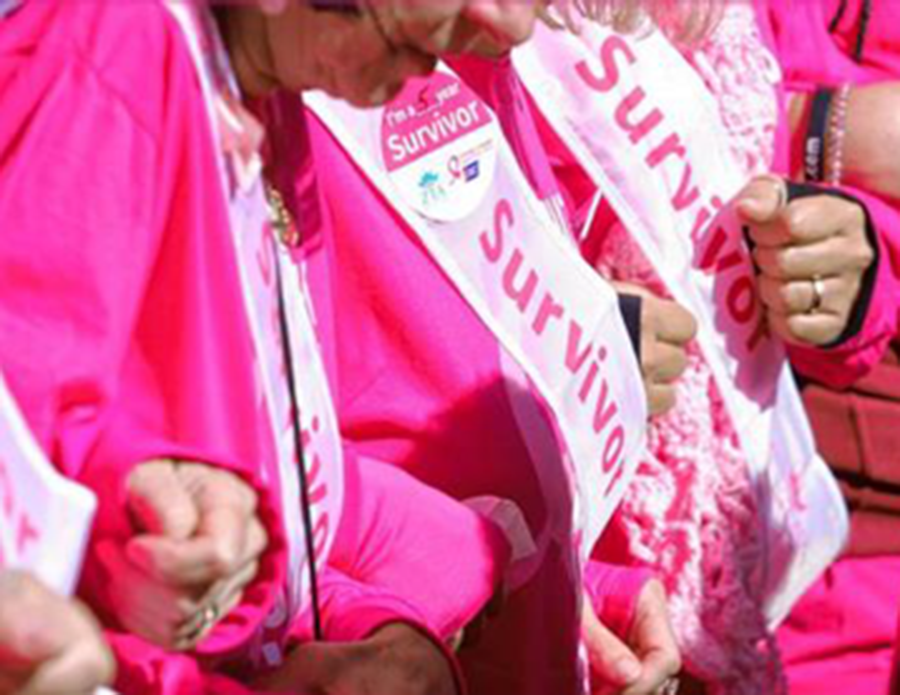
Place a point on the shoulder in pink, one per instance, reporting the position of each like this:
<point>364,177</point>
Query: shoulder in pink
<point>117,272</point>
<point>423,384</point>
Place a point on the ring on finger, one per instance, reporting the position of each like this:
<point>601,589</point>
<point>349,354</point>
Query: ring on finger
<point>818,294</point>
<point>205,619</point>
<point>670,687</point>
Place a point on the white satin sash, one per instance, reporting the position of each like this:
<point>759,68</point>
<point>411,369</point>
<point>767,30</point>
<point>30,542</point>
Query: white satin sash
<point>645,128</point>
<point>45,518</point>
<point>501,250</point>
<point>260,258</point>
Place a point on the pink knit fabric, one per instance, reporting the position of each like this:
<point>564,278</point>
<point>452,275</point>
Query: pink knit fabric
<point>692,517</point>
<point>691,513</point>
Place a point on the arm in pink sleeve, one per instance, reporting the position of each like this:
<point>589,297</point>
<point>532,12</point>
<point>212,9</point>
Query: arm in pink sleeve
<point>405,537</point>
<point>614,592</point>
<point>90,170</point>
<point>878,313</point>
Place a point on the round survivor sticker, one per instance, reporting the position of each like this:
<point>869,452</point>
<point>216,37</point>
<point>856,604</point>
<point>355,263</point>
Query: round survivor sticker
<point>439,142</point>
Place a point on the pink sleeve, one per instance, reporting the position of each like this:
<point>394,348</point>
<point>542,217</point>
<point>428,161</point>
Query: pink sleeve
<point>76,256</point>
<point>614,592</point>
<point>841,365</point>
<point>86,188</point>
<point>412,540</point>
<point>143,669</point>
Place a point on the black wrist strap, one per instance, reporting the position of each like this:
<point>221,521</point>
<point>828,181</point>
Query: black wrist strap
<point>630,307</point>
<point>305,502</point>
<point>814,145</point>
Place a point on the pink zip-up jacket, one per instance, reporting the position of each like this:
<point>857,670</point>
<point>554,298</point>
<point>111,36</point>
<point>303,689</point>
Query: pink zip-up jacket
<point>812,56</point>
<point>124,340</point>
<point>839,638</point>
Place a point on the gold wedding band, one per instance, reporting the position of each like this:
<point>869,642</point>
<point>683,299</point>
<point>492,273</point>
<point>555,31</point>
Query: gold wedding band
<point>211,614</point>
<point>670,687</point>
<point>818,294</point>
<point>205,619</point>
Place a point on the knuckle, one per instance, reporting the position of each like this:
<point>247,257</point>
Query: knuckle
<point>786,298</point>
<point>783,262</point>
<point>259,537</point>
<point>672,662</point>
<point>680,362</point>
<point>693,326</point>
<point>185,608</point>
<point>98,664</point>
<point>865,255</point>
<point>224,558</point>
<point>796,219</point>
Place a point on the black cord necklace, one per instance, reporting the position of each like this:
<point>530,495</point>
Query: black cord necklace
<point>287,233</point>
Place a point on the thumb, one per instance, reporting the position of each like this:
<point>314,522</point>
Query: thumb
<point>762,200</point>
<point>160,502</point>
<point>612,662</point>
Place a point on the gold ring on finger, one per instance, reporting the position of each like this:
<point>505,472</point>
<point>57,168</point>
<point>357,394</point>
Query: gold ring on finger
<point>205,619</point>
<point>818,294</point>
<point>670,687</point>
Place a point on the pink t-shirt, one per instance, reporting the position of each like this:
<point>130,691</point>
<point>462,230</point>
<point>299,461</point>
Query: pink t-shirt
<point>124,337</point>
<point>421,382</point>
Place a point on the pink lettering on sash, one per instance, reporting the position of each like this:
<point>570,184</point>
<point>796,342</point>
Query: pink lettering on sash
<point>611,47</point>
<point>503,217</point>
<point>549,309</point>
<point>522,294</point>
<point>637,130</point>
<point>15,516</point>
<point>579,356</point>
<point>637,117</point>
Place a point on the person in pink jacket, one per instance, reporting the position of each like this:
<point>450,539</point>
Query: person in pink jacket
<point>127,349</point>
<point>841,637</point>
<point>849,249</point>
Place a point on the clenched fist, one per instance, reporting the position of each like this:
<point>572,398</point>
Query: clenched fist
<point>812,255</point>
<point>666,330</point>
<point>197,546</point>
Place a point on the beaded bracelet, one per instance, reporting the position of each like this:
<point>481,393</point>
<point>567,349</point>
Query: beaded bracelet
<point>836,136</point>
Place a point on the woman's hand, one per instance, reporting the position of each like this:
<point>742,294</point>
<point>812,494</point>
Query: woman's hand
<point>646,660</point>
<point>396,660</point>
<point>812,255</point>
<point>666,329</point>
<point>49,645</point>
<point>197,547</point>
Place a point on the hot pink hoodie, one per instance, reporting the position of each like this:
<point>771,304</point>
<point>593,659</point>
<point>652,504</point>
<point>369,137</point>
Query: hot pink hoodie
<point>124,338</point>
<point>812,56</point>
<point>839,638</point>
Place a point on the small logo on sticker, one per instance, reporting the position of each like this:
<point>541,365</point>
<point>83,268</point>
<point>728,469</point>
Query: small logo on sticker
<point>439,147</point>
